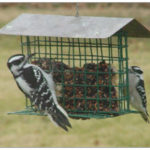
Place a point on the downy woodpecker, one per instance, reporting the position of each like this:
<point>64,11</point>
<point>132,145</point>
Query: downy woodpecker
<point>39,87</point>
<point>137,91</point>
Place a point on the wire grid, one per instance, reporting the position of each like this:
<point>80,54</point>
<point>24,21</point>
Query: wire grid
<point>78,53</point>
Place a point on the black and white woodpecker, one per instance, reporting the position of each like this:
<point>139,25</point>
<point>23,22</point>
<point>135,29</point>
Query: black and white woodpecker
<point>39,87</point>
<point>137,91</point>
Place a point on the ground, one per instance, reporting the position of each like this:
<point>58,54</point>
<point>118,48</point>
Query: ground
<point>35,131</point>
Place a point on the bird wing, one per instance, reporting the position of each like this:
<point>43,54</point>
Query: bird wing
<point>141,90</point>
<point>32,76</point>
<point>42,96</point>
<point>36,81</point>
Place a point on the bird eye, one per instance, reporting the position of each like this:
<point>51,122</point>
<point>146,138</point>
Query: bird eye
<point>139,71</point>
<point>17,62</point>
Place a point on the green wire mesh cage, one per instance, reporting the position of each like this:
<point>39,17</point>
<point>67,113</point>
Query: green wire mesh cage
<point>88,57</point>
<point>90,74</point>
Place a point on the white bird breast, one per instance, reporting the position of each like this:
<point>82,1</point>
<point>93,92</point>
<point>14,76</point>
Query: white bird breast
<point>23,85</point>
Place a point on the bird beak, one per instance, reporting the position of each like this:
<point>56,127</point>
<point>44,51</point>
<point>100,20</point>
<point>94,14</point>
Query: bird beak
<point>26,59</point>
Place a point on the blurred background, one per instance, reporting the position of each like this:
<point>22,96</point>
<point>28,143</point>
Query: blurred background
<point>36,131</point>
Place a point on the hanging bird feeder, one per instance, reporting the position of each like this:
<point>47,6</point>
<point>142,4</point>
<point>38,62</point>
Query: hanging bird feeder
<point>88,57</point>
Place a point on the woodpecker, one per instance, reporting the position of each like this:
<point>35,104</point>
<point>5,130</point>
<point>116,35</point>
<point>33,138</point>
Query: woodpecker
<point>39,87</point>
<point>137,91</point>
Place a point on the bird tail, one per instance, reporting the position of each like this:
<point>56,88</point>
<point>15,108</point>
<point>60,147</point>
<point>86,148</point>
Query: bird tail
<point>59,117</point>
<point>145,116</point>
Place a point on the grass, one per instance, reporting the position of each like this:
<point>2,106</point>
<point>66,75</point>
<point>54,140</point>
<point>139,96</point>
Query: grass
<point>35,131</point>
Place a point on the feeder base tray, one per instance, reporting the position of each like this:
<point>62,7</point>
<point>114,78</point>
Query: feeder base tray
<point>27,111</point>
<point>30,111</point>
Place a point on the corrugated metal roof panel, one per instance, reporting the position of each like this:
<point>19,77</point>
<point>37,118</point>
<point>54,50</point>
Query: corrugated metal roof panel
<point>73,27</point>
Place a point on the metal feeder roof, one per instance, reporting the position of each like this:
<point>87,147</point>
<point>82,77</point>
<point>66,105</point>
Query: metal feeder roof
<point>73,27</point>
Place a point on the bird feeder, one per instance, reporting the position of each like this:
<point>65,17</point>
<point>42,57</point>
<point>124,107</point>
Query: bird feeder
<point>88,57</point>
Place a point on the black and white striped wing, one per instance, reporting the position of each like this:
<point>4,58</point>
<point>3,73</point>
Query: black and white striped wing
<point>41,94</point>
<point>141,90</point>
<point>32,76</point>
